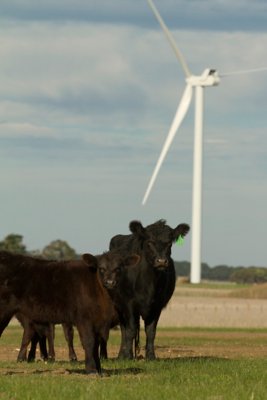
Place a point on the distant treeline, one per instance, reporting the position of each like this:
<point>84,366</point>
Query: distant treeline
<point>225,273</point>
<point>61,250</point>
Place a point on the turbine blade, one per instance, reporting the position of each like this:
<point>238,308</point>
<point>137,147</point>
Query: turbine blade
<point>178,119</point>
<point>170,39</point>
<point>246,71</point>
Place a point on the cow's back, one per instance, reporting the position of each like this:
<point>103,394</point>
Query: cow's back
<point>54,291</point>
<point>124,244</point>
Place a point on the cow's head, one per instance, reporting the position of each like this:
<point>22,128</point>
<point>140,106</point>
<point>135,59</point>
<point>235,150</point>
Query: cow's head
<point>156,240</point>
<point>110,266</point>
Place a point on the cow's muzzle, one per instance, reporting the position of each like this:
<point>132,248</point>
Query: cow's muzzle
<point>161,263</point>
<point>110,284</point>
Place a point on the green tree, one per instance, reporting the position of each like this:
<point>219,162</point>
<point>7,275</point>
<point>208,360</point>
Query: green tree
<point>14,243</point>
<point>249,275</point>
<point>59,250</point>
<point>221,273</point>
<point>182,268</point>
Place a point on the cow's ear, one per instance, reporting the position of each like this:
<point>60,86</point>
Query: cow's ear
<point>132,260</point>
<point>137,228</point>
<point>90,260</point>
<point>180,230</point>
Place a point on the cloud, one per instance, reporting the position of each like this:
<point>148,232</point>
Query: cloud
<point>16,130</point>
<point>106,84</point>
<point>200,14</point>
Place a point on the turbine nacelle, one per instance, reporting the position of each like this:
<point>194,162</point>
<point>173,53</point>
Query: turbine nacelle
<point>209,77</point>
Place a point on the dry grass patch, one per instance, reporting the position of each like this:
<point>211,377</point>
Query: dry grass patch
<point>257,291</point>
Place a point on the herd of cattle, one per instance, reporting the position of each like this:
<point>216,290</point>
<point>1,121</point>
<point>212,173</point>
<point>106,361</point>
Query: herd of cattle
<point>135,278</point>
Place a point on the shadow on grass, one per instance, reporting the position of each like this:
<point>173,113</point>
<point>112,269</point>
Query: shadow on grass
<point>174,359</point>
<point>110,372</point>
<point>139,370</point>
<point>107,372</point>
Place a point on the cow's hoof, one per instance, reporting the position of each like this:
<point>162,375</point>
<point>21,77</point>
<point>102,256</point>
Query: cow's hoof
<point>150,357</point>
<point>93,373</point>
<point>21,360</point>
<point>125,356</point>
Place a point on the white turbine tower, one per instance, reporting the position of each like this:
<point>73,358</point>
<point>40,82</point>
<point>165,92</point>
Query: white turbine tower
<point>208,78</point>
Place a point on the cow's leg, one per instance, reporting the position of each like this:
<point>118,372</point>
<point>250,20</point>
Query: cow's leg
<point>103,343</point>
<point>27,336</point>
<point>4,321</point>
<point>103,349</point>
<point>96,354</point>
<point>50,335</point>
<point>128,334</point>
<point>90,344</point>
<point>126,350</point>
<point>150,329</point>
<point>69,334</point>
<point>32,352</point>
<point>43,348</point>
<point>45,332</point>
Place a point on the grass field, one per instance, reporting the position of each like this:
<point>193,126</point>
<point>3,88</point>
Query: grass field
<point>194,363</point>
<point>211,363</point>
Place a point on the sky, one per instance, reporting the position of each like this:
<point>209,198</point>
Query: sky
<point>88,92</point>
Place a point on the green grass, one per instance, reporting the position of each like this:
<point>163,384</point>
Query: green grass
<point>210,329</point>
<point>197,378</point>
<point>213,285</point>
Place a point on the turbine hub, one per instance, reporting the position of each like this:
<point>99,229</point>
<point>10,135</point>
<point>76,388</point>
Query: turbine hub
<point>209,77</point>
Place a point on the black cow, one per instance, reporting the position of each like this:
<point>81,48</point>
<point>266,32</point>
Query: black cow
<point>69,292</point>
<point>145,289</point>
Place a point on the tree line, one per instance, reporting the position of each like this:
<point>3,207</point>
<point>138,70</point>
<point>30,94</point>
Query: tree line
<point>239,274</point>
<point>61,250</point>
<point>56,250</point>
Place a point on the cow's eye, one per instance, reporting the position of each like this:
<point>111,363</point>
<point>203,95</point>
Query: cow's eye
<point>102,271</point>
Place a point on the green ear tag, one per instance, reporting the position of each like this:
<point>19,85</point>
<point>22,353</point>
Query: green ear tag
<point>180,240</point>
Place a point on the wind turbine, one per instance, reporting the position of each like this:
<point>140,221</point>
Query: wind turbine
<point>195,83</point>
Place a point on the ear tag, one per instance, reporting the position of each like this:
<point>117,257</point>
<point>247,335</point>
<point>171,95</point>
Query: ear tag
<point>180,240</point>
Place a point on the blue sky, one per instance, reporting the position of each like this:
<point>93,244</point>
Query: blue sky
<point>88,92</point>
